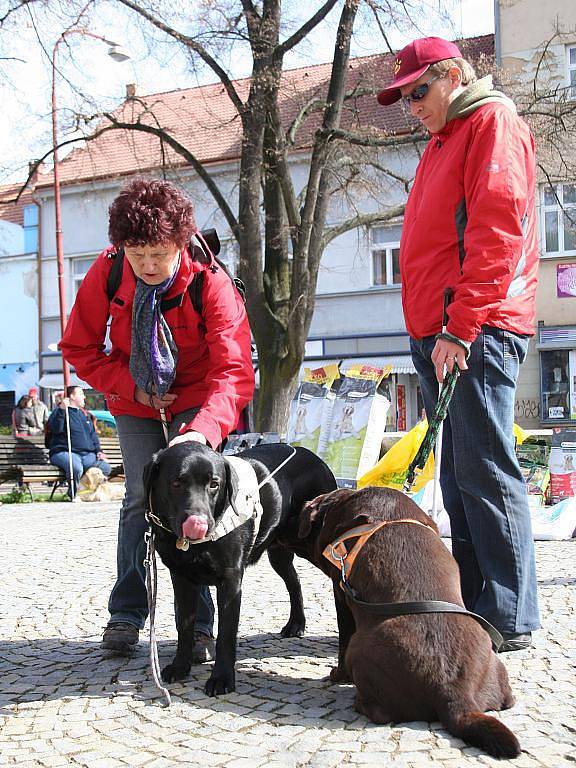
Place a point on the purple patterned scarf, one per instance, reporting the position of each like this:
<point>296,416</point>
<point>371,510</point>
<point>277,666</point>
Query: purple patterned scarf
<point>153,353</point>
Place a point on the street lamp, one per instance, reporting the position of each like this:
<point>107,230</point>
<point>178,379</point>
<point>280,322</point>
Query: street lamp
<point>118,54</point>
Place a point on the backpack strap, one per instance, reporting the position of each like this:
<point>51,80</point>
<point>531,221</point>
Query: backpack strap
<point>115,274</point>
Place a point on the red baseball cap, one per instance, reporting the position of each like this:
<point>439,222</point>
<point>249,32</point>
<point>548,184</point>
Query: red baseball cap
<point>32,392</point>
<point>413,60</point>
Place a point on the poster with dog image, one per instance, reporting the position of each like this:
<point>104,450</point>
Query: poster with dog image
<point>358,423</point>
<point>311,409</point>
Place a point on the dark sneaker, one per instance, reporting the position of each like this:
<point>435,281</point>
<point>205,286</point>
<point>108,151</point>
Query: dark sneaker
<point>120,637</point>
<point>204,648</point>
<point>515,642</point>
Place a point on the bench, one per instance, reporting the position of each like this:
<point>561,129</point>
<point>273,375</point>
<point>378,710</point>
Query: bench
<point>24,460</point>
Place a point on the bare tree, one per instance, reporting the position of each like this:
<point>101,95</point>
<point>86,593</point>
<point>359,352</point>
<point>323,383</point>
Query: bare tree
<point>281,231</point>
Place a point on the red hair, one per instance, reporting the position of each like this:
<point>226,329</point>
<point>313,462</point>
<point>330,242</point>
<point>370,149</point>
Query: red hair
<point>151,211</point>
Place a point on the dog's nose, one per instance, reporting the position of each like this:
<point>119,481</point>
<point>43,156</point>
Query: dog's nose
<point>195,527</point>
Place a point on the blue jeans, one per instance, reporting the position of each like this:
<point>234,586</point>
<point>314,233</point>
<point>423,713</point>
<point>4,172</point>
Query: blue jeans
<point>139,440</point>
<point>80,463</point>
<point>482,487</point>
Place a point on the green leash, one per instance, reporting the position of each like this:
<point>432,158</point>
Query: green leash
<point>427,445</point>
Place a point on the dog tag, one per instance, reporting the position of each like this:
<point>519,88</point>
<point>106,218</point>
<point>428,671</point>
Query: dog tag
<point>183,544</point>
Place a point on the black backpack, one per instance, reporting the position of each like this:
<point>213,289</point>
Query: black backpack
<point>209,245</point>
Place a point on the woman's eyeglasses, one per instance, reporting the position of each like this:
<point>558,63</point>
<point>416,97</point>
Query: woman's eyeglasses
<point>420,91</point>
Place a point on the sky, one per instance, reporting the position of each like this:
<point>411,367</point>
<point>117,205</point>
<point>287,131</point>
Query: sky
<point>25,82</point>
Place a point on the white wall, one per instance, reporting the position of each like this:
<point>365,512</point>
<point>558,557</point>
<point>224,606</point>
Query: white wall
<point>19,308</point>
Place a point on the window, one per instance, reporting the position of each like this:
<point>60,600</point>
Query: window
<point>30,228</point>
<point>230,255</point>
<point>559,219</point>
<point>80,268</point>
<point>558,384</point>
<point>385,255</point>
<point>571,73</point>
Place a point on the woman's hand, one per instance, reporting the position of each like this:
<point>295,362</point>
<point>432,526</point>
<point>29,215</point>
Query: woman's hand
<point>186,437</point>
<point>153,401</point>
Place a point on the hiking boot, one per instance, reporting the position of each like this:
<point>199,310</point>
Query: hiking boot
<point>515,641</point>
<point>204,648</point>
<point>120,637</point>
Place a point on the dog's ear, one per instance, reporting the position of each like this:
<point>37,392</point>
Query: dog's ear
<point>231,488</point>
<point>308,514</point>
<point>314,510</point>
<point>149,473</point>
<point>318,507</point>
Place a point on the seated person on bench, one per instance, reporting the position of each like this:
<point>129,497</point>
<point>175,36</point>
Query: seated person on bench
<point>86,450</point>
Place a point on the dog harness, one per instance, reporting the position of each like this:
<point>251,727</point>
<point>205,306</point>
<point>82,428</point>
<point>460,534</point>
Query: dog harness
<point>338,554</point>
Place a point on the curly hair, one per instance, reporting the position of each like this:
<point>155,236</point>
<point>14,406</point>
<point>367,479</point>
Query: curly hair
<point>151,211</point>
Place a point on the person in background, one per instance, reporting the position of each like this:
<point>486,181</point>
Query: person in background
<point>470,225</point>
<point>23,422</point>
<point>166,361</point>
<point>86,450</point>
<point>39,409</point>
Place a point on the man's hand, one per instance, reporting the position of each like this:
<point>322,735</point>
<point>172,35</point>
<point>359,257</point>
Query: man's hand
<point>196,437</point>
<point>64,403</point>
<point>101,456</point>
<point>446,353</point>
<point>153,401</point>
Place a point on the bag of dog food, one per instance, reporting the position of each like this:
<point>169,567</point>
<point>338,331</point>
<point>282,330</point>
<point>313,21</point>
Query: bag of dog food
<point>358,423</point>
<point>311,409</point>
<point>392,468</point>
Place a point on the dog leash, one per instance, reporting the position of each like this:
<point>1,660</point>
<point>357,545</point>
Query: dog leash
<point>152,586</point>
<point>151,589</point>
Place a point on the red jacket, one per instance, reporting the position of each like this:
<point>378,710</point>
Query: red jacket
<point>473,200</point>
<point>214,368</point>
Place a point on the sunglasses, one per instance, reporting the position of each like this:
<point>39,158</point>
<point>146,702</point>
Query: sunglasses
<point>420,91</point>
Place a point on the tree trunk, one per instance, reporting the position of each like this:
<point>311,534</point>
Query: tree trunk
<point>277,385</point>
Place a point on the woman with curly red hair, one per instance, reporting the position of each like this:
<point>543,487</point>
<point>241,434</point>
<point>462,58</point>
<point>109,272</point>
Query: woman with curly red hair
<point>165,358</point>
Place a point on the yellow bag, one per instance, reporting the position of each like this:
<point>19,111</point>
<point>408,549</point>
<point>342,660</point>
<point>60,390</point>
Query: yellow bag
<point>392,468</point>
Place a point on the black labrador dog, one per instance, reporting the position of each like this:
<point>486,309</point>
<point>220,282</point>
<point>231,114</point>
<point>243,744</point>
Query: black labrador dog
<point>188,488</point>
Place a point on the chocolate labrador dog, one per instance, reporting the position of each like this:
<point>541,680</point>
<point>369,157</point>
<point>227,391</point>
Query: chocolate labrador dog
<point>432,666</point>
<point>189,488</point>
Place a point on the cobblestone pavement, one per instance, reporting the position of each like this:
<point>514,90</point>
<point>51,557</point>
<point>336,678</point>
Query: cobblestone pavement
<point>63,702</point>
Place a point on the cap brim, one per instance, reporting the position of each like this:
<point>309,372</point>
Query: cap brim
<point>392,93</point>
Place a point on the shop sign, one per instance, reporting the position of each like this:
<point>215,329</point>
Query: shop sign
<point>566,281</point>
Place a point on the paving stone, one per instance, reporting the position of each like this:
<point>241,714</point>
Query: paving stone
<point>63,702</point>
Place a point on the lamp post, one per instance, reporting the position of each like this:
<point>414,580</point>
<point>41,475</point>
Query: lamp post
<point>119,54</point>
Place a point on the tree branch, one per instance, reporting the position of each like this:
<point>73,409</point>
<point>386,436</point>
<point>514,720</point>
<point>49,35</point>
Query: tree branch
<point>194,45</point>
<point>361,220</point>
<point>301,33</point>
<point>415,137</point>
<point>191,158</point>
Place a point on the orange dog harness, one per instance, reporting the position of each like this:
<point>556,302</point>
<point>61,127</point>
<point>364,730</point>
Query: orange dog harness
<point>338,554</point>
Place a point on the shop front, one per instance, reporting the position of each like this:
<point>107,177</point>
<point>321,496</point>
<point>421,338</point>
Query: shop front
<point>557,352</point>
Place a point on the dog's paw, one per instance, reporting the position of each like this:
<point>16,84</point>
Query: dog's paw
<point>218,684</point>
<point>173,672</point>
<point>339,675</point>
<point>293,629</point>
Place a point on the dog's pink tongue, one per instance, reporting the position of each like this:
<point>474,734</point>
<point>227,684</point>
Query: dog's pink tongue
<point>195,527</point>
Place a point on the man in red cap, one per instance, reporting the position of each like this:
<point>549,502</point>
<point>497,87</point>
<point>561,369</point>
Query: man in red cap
<point>470,226</point>
<point>39,409</point>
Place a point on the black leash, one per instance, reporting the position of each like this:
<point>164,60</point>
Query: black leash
<point>390,610</point>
